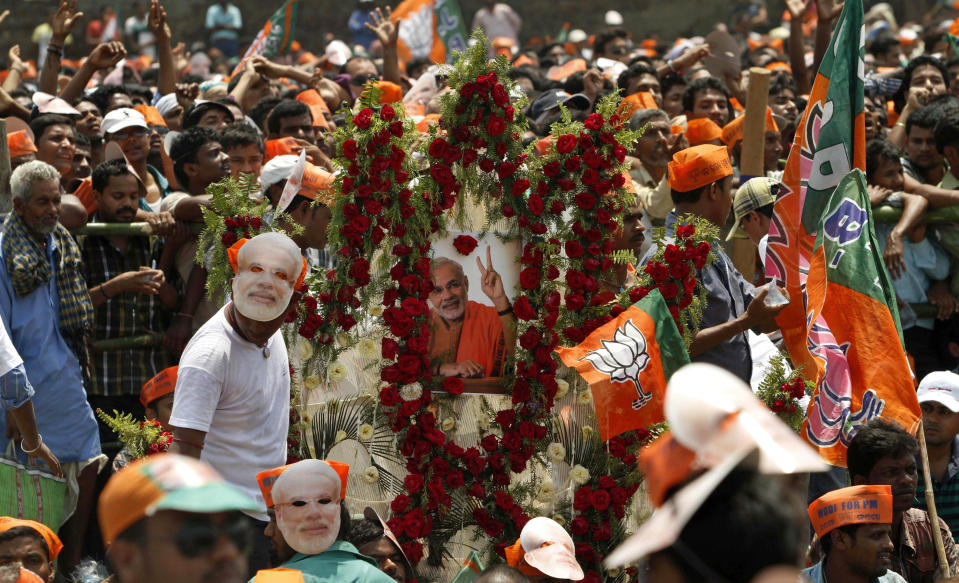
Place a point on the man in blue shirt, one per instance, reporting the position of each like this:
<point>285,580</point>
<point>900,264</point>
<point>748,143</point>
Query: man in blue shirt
<point>47,312</point>
<point>223,20</point>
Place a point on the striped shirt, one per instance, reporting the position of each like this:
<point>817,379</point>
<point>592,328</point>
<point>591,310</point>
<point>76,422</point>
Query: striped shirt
<point>123,372</point>
<point>946,491</point>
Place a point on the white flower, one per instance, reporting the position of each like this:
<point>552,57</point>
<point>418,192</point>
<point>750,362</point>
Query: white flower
<point>343,339</point>
<point>337,371</point>
<point>376,311</point>
<point>555,452</point>
<point>588,431</point>
<point>579,475</point>
<point>368,348</point>
<point>448,423</point>
<point>365,432</point>
<point>585,397</point>
<point>623,358</point>
<point>371,475</point>
<point>546,493</point>
<point>559,519</point>
<point>340,436</point>
<point>562,387</point>
<point>303,349</point>
<point>311,382</point>
<point>411,392</point>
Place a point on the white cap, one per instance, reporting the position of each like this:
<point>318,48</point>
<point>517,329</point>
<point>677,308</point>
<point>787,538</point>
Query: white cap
<point>276,170</point>
<point>339,52</point>
<point>577,35</point>
<point>47,103</point>
<point>613,18</point>
<point>166,103</point>
<point>941,387</point>
<point>122,118</point>
<point>550,549</point>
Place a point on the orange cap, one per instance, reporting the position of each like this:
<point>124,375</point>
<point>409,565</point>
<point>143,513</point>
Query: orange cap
<point>85,193</point>
<point>523,60</point>
<point>736,105</point>
<point>279,147</point>
<point>50,537</point>
<point>733,131</point>
<point>515,557</point>
<point>544,145</point>
<point>852,505</point>
<point>266,479</point>
<point>665,463</point>
<point>778,66</point>
<point>423,126</point>
<point>151,115</point>
<point>233,254</point>
<point>317,184</point>
<point>633,103</point>
<point>343,471</point>
<point>702,130</point>
<point>389,92</point>
<point>308,465</point>
<point>162,384</point>
<point>20,144</point>
<point>165,481</point>
<point>698,166</point>
<point>28,576</point>
<point>318,107</point>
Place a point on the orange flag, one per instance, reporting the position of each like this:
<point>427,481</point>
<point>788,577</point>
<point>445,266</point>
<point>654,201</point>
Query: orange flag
<point>627,362</point>
<point>418,37</point>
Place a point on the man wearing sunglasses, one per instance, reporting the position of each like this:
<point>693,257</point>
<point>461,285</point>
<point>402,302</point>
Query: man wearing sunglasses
<point>172,518</point>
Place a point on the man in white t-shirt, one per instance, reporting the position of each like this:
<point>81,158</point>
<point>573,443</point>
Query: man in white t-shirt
<point>136,28</point>
<point>231,406</point>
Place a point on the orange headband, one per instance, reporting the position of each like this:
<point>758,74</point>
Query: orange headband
<point>733,131</point>
<point>162,384</point>
<point>515,558</point>
<point>702,130</point>
<point>151,115</point>
<point>852,505</point>
<point>233,253</point>
<point>633,103</point>
<point>266,479</point>
<point>698,166</point>
<point>50,537</point>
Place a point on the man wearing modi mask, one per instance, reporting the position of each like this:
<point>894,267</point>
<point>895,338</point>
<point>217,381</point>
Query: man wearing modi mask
<point>231,405</point>
<point>310,513</point>
<point>545,553</point>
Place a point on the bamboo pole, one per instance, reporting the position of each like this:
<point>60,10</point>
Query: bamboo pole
<point>124,229</point>
<point>931,505</point>
<point>751,160</point>
<point>142,341</point>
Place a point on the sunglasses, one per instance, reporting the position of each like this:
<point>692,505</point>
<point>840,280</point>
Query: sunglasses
<point>619,50</point>
<point>359,80</point>
<point>197,537</point>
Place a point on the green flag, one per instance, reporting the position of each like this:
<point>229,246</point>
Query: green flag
<point>276,36</point>
<point>450,26</point>
<point>472,568</point>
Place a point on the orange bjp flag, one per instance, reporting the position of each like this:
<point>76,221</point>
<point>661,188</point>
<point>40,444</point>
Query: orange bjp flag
<point>627,363</point>
<point>418,37</point>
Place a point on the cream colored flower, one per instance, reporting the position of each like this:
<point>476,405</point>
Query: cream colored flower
<point>559,519</point>
<point>368,348</point>
<point>365,432</point>
<point>448,423</point>
<point>340,436</point>
<point>343,339</point>
<point>579,475</point>
<point>311,382</point>
<point>337,371</point>
<point>585,397</point>
<point>555,452</point>
<point>303,349</point>
<point>376,311</point>
<point>614,572</point>
<point>411,392</point>
<point>588,431</point>
<point>371,475</point>
<point>546,493</point>
<point>562,387</point>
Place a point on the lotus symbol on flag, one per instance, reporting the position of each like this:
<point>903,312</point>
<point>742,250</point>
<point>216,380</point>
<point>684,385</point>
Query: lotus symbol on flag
<point>623,358</point>
<point>416,31</point>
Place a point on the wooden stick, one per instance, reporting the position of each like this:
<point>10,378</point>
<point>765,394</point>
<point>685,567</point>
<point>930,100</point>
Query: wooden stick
<point>931,505</point>
<point>6,198</point>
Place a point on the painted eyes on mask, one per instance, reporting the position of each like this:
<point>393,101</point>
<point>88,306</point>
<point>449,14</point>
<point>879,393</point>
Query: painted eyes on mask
<point>302,503</point>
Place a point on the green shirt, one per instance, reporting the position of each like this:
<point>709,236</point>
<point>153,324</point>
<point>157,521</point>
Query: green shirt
<point>341,563</point>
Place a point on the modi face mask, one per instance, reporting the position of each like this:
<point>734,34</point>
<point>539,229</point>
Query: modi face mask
<point>268,267</point>
<point>306,499</point>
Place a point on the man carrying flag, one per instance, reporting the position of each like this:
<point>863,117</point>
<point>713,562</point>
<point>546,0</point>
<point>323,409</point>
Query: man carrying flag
<point>627,363</point>
<point>822,246</point>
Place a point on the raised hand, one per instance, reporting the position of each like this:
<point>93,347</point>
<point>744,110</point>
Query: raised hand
<point>797,8</point>
<point>13,55</point>
<point>4,15</point>
<point>492,283</point>
<point>157,22</point>
<point>64,19</point>
<point>107,55</point>
<point>690,57</point>
<point>828,10</point>
<point>186,94</point>
<point>384,28</point>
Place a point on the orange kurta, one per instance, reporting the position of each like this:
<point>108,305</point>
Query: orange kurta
<point>478,337</point>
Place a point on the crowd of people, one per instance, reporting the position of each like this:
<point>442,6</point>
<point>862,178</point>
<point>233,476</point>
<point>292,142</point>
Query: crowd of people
<point>135,128</point>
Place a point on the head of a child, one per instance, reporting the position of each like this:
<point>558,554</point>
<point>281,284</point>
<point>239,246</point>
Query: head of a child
<point>157,396</point>
<point>883,165</point>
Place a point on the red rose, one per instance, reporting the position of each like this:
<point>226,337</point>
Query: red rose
<point>402,502</point>
<point>582,499</point>
<point>464,244</point>
<point>657,271</point>
<point>574,249</point>
<point>579,525</point>
<point>619,152</point>
<point>228,238</point>
<point>349,149</point>
<point>529,277</point>
<point>453,386</point>
<point>575,302</point>
<point>437,148</point>
<point>505,169</point>
<point>387,113</point>
<point>585,200</point>
<point>573,163</point>
<point>523,309</point>
<point>535,203</point>
<point>685,231</point>
<point>495,126</point>
<point>593,122</point>
<point>566,143</point>
<point>530,338</point>
<point>602,532</point>
<point>519,187</point>
<point>574,334</point>
<point>672,254</point>
<point>679,270</point>
<point>363,118</point>
<point>500,97</point>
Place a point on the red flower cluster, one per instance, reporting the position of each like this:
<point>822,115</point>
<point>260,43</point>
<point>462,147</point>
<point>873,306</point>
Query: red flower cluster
<point>464,244</point>
<point>591,531</point>
<point>240,227</point>
<point>673,272</point>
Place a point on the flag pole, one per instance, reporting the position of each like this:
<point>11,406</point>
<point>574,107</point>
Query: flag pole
<point>931,505</point>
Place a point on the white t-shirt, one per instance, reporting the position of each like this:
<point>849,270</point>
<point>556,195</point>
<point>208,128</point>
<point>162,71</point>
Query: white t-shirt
<point>241,399</point>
